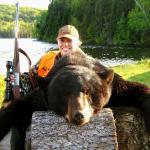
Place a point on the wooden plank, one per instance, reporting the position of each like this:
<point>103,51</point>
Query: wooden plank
<point>50,131</point>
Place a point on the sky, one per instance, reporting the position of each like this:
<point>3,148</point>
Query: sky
<point>41,4</point>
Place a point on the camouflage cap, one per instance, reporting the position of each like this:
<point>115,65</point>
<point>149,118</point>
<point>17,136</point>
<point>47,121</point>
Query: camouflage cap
<point>68,31</point>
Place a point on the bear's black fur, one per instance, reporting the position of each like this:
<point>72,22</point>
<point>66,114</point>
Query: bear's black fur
<point>76,78</point>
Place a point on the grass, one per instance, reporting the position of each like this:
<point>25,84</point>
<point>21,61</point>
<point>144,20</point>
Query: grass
<point>139,72</point>
<point>2,89</point>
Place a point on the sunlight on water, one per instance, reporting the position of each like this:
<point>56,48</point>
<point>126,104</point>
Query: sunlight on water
<point>116,61</point>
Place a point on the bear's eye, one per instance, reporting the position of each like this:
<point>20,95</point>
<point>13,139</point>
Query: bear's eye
<point>85,91</point>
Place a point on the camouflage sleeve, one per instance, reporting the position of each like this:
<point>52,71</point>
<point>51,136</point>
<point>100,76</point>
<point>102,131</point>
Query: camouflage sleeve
<point>33,73</point>
<point>34,69</point>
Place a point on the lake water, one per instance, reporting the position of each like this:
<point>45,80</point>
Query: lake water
<point>112,56</point>
<point>35,49</point>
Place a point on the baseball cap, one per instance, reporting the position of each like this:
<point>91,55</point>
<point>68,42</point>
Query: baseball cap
<point>68,31</point>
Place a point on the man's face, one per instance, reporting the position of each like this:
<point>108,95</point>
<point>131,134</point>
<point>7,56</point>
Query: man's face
<point>66,45</point>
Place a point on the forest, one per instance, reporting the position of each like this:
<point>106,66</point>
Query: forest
<point>27,21</point>
<point>102,22</point>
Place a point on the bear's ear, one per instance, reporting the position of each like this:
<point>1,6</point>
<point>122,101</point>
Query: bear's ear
<point>107,76</point>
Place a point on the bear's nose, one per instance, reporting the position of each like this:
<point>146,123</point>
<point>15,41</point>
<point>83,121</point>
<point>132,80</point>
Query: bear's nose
<point>78,118</point>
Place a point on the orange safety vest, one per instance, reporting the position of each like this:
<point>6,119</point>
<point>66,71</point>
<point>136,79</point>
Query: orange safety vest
<point>46,63</point>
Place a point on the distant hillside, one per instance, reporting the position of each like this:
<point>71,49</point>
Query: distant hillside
<point>27,19</point>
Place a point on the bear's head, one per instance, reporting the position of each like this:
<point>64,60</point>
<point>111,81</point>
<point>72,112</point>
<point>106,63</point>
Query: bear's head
<point>77,92</point>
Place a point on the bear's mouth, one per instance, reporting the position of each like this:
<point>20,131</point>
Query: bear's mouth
<point>78,119</point>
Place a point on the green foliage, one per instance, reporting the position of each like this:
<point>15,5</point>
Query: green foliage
<point>119,22</point>
<point>122,34</point>
<point>99,22</point>
<point>27,21</point>
<point>139,22</point>
<point>139,17</point>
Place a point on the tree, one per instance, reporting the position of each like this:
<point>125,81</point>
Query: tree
<point>139,22</point>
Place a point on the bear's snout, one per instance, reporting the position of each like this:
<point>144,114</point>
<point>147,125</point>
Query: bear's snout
<point>79,109</point>
<point>78,118</point>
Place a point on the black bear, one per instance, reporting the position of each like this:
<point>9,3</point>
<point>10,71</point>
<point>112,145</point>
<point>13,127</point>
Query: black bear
<point>77,87</point>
